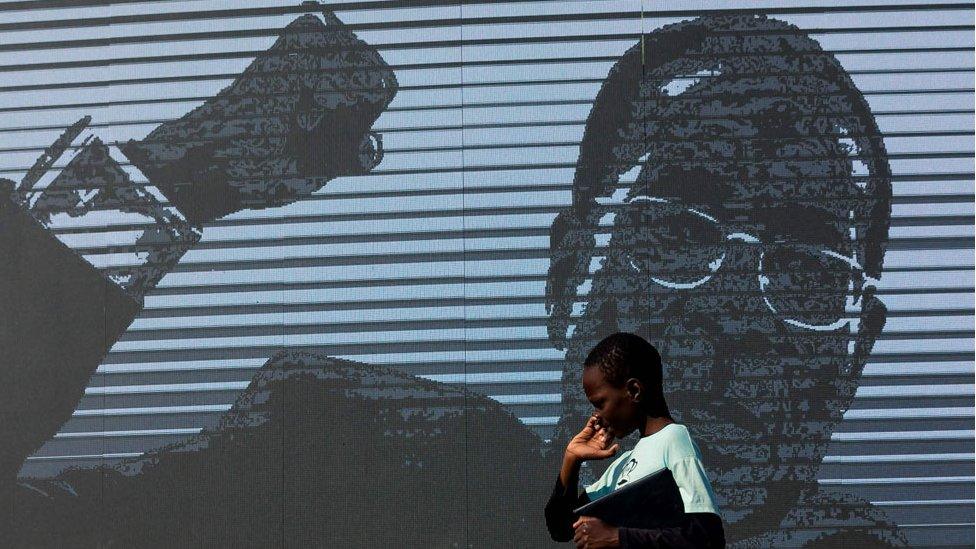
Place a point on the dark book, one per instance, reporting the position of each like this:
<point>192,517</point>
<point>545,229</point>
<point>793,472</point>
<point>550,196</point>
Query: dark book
<point>652,501</point>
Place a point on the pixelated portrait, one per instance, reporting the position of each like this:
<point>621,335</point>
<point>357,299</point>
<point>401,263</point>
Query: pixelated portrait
<point>487,274</point>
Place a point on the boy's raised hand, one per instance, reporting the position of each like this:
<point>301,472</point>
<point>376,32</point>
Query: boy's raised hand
<point>593,442</point>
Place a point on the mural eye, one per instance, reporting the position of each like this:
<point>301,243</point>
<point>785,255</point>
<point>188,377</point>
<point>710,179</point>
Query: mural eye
<point>675,246</point>
<point>805,285</point>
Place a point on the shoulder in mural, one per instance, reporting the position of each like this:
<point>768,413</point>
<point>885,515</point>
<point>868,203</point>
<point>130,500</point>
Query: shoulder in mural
<point>731,202</point>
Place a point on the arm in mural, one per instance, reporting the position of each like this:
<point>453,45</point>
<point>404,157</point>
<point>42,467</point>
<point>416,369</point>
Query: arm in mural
<point>316,452</point>
<point>300,115</point>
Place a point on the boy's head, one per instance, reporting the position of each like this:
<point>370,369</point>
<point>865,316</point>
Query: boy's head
<point>622,379</point>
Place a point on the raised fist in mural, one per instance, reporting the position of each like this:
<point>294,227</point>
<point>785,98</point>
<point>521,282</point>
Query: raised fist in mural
<point>299,115</point>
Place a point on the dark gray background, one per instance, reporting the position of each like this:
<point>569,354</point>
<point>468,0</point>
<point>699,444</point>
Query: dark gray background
<point>436,261</point>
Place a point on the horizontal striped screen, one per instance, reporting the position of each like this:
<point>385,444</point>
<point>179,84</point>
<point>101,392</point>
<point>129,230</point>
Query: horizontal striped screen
<point>436,261</point>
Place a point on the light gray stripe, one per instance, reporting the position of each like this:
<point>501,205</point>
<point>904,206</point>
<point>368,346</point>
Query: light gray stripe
<point>909,413</point>
<point>448,226</point>
<point>925,502</point>
<point>545,398</point>
<point>80,457</point>
<point>952,434</point>
<point>899,458</point>
<point>880,369</point>
<point>895,480</point>
<point>166,388</point>
<point>188,366</point>
<point>406,316</point>
<point>133,433</point>
<point>874,391</point>
<point>886,391</point>
<point>500,377</point>
<point>914,369</point>
<point>369,292</point>
<point>138,411</point>
<point>882,347</point>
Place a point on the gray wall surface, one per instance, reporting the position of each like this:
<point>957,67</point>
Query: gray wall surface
<point>436,261</point>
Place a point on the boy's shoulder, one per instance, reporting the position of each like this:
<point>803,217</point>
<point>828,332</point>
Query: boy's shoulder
<point>675,431</point>
<point>675,441</point>
<point>676,428</point>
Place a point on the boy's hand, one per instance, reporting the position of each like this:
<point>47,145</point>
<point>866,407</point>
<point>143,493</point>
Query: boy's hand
<point>593,442</point>
<point>593,533</point>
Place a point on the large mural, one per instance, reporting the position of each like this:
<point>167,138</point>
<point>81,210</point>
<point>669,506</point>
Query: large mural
<point>730,201</point>
<point>762,186</point>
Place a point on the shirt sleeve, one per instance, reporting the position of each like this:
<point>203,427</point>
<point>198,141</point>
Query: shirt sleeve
<point>694,486</point>
<point>606,483</point>
<point>694,531</point>
<point>559,511</point>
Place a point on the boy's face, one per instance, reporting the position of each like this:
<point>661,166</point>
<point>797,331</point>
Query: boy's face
<point>615,405</point>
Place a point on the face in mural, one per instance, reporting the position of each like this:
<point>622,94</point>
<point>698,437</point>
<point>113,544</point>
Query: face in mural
<point>731,205</point>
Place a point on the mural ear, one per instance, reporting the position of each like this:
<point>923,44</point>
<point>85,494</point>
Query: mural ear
<point>571,246</point>
<point>874,313</point>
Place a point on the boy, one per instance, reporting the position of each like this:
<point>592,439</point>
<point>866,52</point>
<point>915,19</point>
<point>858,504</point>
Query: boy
<point>622,379</point>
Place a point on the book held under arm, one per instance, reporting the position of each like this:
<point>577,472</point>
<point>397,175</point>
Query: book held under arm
<point>653,501</point>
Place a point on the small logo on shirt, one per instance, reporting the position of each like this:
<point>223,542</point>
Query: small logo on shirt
<point>627,470</point>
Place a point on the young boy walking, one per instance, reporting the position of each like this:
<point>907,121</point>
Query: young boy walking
<point>622,379</point>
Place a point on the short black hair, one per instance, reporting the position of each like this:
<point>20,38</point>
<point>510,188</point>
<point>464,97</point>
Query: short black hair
<point>622,356</point>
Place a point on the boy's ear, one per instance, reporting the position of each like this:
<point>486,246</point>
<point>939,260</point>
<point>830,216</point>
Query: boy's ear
<point>635,388</point>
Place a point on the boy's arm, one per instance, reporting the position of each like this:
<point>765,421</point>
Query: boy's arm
<point>593,442</point>
<point>700,526</point>
<point>694,531</point>
<point>559,509</point>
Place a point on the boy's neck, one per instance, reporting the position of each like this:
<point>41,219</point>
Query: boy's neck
<point>654,424</point>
